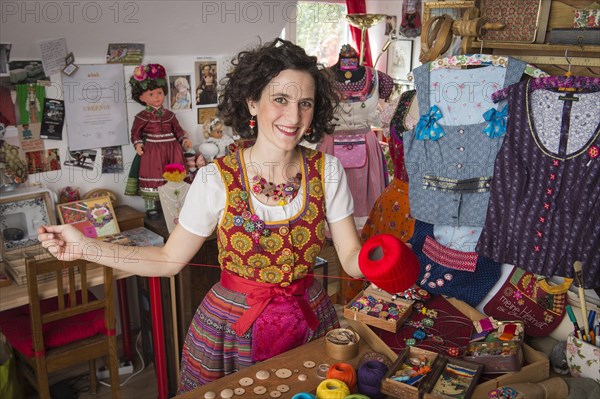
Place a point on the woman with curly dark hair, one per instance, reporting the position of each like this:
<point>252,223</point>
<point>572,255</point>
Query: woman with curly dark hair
<point>269,205</point>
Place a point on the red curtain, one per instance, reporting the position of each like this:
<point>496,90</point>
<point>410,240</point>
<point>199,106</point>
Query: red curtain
<point>359,7</point>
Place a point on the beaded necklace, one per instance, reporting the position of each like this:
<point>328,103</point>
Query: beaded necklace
<point>283,193</point>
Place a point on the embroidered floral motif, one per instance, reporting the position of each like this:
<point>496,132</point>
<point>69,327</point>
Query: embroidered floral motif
<point>258,261</point>
<point>271,274</point>
<point>300,236</point>
<point>241,242</point>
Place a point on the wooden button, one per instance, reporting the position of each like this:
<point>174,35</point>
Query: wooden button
<point>246,381</point>
<point>309,364</point>
<point>283,373</point>
<point>302,377</point>
<point>263,374</point>
<point>210,395</point>
<point>259,390</point>
<point>239,391</point>
<point>283,388</point>
<point>275,394</point>
<point>227,393</point>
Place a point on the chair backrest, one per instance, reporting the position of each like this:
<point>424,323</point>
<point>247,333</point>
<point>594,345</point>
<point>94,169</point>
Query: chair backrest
<point>72,284</point>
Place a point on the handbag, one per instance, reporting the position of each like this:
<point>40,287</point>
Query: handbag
<point>351,150</point>
<point>540,306</point>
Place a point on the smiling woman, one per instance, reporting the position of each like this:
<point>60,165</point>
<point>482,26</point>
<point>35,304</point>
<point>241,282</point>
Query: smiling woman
<point>267,300</point>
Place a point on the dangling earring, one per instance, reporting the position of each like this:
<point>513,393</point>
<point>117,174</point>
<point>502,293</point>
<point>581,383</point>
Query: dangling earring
<point>308,131</point>
<point>252,123</point>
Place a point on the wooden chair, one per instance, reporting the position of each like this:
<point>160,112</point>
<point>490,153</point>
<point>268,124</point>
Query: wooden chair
<point>59,332</point>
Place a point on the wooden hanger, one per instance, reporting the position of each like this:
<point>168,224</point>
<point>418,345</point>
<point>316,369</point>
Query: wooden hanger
<point>565,83</point>
<point>479,60</point>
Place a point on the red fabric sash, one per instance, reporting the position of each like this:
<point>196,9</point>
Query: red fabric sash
<point>259,294</point>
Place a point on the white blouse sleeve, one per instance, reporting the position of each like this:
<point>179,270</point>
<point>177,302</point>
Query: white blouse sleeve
<point>204,203</point>
<point>338,198</point>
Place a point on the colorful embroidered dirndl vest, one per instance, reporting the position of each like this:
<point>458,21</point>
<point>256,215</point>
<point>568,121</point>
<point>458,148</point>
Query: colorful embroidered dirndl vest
<point>276,252</point>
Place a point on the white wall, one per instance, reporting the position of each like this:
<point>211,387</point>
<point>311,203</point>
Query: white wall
<point>377,37</point>
<point>175,33</point>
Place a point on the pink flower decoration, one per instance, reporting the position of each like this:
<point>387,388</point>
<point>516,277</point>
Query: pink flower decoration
<point>518,295</point>
<point>174,167</point>
<point>154,71</point>
<point>139,73</point>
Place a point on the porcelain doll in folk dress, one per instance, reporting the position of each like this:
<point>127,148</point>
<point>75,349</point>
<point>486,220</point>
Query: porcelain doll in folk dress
<point>156,134</point>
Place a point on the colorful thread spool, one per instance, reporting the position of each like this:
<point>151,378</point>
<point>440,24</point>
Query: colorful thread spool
<point>332,389</point>
<point>356,396</point>
<point>369,376</point>
<point>343,372</point>
<point>304,395</point>
<point>388,263</point>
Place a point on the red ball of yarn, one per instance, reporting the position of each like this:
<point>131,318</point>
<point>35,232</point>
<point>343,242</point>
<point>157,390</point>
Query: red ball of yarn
<point>388,263</point>
<point>343,372</point>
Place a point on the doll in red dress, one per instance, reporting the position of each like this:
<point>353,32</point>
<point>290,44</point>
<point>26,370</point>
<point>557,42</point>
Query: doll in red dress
<point>156,134</point>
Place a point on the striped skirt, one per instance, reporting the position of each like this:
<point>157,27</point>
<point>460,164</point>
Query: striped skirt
<point>212,349</point>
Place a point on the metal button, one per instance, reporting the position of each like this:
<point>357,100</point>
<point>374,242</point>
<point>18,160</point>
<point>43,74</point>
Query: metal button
<point>459,166</point>
<point>461,149</point>
<point>461,131</point>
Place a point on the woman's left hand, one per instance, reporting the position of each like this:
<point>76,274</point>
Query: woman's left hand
<point>186,144</point>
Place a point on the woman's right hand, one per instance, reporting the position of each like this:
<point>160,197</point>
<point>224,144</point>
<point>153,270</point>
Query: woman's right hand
<point>139,148</point>
<point>64,242</point>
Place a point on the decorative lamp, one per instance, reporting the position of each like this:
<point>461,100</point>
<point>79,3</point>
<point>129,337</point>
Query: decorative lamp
<point>363,22</point>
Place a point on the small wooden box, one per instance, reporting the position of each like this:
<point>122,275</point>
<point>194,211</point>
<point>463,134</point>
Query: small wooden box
<point>405,307</point>
<point>400,390</point>
<point>453,378</point>
<point>24,209</point>
<point>498,356</point>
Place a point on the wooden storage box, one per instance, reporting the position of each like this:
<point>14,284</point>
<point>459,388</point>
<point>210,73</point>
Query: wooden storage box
<point>25,210</point>
<point>404,308</point>
<point>454,378</point>
<point>498,356</point>
<point>400,390</point>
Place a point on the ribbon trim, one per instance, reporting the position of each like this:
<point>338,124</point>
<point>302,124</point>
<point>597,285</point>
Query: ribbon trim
<point>496,126</point>
<point>259,294</point>
<point>428,128</point>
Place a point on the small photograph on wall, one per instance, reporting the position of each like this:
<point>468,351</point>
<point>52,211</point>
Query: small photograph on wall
<point>180,90</point>
<point>81,159</point>
<point>400,59</point>
<point>24,72</point>
<point>4,58</point>
<point>125,53</point>
<point>391,21</point>
<point>206,114</point>
<point>112,159</point>
<point>206,82</point>
<point>30,100</point>
<point>52,160</point>
<point>29,137</point>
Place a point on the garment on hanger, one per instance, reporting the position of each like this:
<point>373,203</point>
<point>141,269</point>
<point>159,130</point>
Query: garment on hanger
<point>391,212</point>
<point>450,154</point>
<point>467,276</point>
<point>543,211</point>
<point>354,143</point>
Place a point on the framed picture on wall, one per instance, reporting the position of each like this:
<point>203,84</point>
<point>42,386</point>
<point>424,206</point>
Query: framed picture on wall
<point>400,59</point>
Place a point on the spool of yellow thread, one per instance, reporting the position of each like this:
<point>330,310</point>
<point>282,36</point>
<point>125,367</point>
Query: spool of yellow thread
<point>332,389</point>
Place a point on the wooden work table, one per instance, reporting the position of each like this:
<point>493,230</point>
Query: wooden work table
<point>292,360</point>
